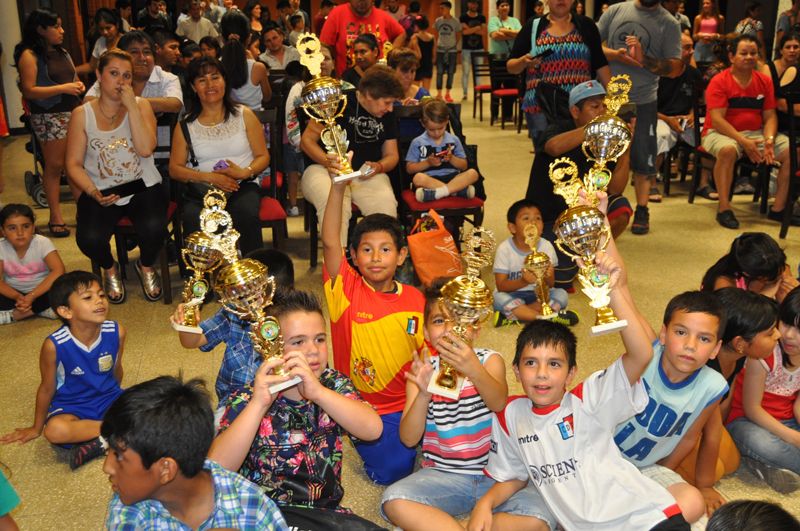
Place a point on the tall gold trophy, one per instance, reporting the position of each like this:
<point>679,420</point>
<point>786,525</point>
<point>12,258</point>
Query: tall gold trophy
<point>246,289</point>
<point>468,301</point>
<point>608,136</point>
<point>204,251</point>
<point>539,264</point>
<point>324,101</point>
<point>582,233</point>
<point>201,257</point>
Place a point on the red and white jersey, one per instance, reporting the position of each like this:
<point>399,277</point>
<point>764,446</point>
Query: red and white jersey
<point>567,450</point>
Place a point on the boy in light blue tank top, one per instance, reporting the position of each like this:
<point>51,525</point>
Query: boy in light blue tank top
<point>81,370</point>
<point>683,393</point>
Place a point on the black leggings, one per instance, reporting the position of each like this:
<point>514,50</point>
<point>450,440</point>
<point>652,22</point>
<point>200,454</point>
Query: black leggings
<point>243,206</point>
<point>40,303</point>
<point>147,211</point>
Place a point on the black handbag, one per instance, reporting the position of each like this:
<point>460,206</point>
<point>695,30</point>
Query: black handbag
<point>554,102</point>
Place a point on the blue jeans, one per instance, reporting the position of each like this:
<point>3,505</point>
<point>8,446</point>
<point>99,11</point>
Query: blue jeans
<point>445,61</point>
<point>456,494</point>
<point>757,443</point>
<point>466,68</point>
<point>387,459</point>
<point>537,123</point>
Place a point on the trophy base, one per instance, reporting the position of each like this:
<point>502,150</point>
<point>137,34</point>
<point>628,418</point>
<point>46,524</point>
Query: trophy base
<point>547,317</point>
<point>347,176</point>
<point>186,328</point>
<point>278,387</point>
<point>436,389</point>
<point>599,330</point>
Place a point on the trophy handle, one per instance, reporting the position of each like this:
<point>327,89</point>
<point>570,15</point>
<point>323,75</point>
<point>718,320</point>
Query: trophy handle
<point>566,251</point>
<point>605,239</point>
<point>313,113</point>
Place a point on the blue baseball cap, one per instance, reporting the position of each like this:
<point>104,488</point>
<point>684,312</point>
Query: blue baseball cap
<point>587,89</point>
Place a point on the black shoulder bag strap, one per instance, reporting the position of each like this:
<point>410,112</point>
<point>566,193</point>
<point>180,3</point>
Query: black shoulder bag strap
<point>188,138</point>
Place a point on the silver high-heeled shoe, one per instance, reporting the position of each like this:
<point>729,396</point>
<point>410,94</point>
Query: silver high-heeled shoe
<point>151,282</point>
<point>112,284</point>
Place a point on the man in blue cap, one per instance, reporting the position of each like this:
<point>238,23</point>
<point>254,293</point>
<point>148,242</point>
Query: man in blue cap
<point>563,139</point>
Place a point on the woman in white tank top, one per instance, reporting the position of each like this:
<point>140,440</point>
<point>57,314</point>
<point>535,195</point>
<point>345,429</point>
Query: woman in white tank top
<point>248,78</point>
<point>229,151</point>
<point>110,146</point>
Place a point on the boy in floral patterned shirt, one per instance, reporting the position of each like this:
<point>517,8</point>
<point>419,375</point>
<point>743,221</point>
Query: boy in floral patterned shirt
<point>290,444</point>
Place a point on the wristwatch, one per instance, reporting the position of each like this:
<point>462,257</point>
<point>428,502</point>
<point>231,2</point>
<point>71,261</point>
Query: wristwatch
<point>770,140</point>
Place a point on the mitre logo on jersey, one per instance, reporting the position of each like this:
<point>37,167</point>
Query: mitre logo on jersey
<point>565,428</point>
<point>551,474</point>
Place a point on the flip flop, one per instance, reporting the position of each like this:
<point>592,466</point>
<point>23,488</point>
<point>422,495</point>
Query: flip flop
<point>655,196</point>
<point>707,193</point>
<point>63,233</point>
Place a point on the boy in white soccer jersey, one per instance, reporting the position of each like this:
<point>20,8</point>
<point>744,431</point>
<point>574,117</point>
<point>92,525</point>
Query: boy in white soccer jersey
<point>563,441</point>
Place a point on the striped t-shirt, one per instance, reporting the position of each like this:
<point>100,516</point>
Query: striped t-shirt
<point>458,432</point>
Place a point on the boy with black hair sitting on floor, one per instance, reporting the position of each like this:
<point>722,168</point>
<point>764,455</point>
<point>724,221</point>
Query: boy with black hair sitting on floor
<point>81,366</point>
<point>158,434</point>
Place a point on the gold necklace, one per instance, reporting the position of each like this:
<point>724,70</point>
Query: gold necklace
<point>111,118</point>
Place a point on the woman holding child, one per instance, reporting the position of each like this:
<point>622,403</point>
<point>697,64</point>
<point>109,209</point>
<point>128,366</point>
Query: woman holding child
<point>109,159</point>
<point>219,144</point>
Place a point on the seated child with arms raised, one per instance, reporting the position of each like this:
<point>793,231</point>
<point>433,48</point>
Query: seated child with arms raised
<point>455,436</point>
<point>81,366</point>
<point>376,325</point>
<point>290,444</point>
<point>562,442</point>
<point>240,361</point>
<point>683,395</point>
<point>515,299</point>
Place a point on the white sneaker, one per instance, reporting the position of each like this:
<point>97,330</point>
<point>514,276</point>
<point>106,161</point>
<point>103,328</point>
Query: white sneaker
<point>48,314</point>
<point>293,212</point>
<point>5,317</point>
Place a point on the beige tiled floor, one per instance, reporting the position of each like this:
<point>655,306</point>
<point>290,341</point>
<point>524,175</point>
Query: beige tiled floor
<point>684,241</point>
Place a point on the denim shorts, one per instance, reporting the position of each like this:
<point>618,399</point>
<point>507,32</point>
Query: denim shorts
<point>457,494</point>
<point>292,160</point>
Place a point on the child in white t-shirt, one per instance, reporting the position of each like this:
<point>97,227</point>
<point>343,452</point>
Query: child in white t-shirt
<point>515,299</point>
<point>29,263</point>
<point>562,442</point>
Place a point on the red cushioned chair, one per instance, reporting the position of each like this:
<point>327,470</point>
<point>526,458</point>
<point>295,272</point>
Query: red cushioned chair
<point>481,80</point>
<point>271,212</point>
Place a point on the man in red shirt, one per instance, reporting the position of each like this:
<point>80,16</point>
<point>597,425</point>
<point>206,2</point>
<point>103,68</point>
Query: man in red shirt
<point>347,21</point>
<point>741,119</point>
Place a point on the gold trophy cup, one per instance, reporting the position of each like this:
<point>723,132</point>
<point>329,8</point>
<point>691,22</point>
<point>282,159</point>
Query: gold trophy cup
<point>467,301</point>
<point>582,233</point>
<point>201,257</point>
<point>324,101</point>
<point>246,289</point>
<point>607,137</point>
<point>539,264</point>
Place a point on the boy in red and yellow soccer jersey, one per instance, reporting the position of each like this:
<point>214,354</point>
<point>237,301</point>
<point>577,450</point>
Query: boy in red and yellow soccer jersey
<point>376,325</point>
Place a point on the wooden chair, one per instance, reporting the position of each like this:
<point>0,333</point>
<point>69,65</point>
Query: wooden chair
<point>481,80</point>
<point>505,89</point>
<point>271,212</point>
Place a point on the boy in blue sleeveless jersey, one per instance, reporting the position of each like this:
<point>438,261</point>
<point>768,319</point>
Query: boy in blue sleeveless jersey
<point>81,370</point>
<point>683,393</point>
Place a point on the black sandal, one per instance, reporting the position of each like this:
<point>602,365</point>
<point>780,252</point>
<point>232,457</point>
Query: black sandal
<point>62,233</point>
<point>706,193</point>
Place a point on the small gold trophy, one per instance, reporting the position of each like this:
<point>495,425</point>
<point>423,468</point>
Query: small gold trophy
<point>246,289</point>
<point>539,264</point>
<point>201,257</point>
<point>468,301</point>
<point>386,50</point>
<point>608,136</point>
<point>582,233</point>
<point>324,102</point>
